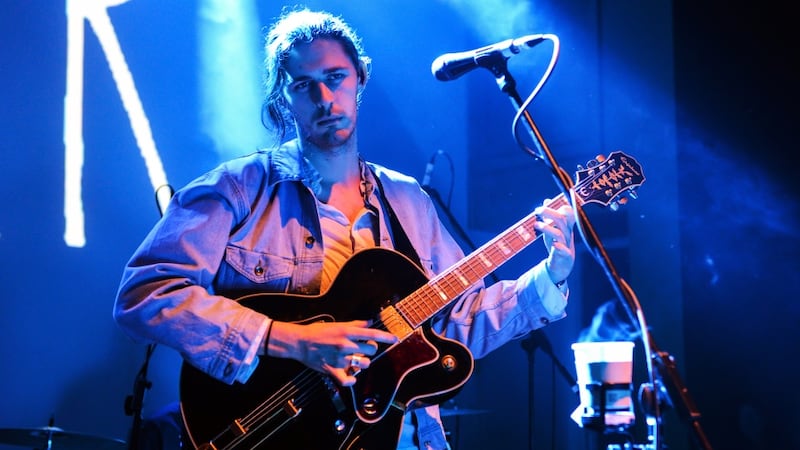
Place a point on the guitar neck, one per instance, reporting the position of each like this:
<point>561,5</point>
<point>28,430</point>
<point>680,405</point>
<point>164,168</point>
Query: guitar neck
<point>602,182</point>
<point>429,299</point>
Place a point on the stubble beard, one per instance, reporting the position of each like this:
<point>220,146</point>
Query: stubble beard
<point>331,141</point>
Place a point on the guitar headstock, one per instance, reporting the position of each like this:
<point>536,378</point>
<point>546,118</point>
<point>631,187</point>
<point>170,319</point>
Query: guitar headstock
<point>609,181</point>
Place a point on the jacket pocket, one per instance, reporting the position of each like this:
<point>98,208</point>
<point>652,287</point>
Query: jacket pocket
<point>258,267</point>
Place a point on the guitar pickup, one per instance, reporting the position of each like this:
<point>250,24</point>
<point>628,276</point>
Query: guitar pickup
<point>394,322</point>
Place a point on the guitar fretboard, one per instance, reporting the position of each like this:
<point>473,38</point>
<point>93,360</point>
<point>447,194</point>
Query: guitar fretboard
<point>429,299</point>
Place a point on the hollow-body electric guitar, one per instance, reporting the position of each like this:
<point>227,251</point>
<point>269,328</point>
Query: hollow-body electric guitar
<point>286,405</point>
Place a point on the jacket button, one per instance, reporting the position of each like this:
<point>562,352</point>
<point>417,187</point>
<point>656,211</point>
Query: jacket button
<point>544,320</point>
<point>259,270</point>
<point>310,241</point>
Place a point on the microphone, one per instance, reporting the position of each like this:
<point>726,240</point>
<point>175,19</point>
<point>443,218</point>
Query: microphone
<point>426,179</point>
<point>452,65</point>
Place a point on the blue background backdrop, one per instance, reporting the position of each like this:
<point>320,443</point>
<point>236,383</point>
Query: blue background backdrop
<point>702,95</point>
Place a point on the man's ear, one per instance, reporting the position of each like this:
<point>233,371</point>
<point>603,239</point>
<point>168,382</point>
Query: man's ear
<point>363,74</point>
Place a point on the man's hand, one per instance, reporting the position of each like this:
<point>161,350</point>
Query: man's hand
<point>340,349</point>
<point>556,228</point>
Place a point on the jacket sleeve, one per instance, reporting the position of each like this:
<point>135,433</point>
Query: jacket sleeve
<point>486,318</point>
<point>165,295</point>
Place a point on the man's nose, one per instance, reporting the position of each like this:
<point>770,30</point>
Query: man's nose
<point>323,93</point>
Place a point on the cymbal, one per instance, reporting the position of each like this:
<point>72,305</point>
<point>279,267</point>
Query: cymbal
<point>37,438</point>
<point>449,412</point>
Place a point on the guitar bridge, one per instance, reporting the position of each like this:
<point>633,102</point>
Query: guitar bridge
<point>290,409</point>
<point>237,429</point>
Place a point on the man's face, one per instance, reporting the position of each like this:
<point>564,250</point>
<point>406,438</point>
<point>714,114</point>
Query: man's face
<point>321,90</point>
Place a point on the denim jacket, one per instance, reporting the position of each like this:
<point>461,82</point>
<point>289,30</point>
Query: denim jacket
<point>251,225</point>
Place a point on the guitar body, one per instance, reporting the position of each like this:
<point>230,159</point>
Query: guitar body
<point>286,405</point>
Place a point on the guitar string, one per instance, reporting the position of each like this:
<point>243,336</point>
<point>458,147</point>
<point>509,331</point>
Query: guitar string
<point>450,285</point>
<point>292,391</point>
<point>253,421</point>
<point>425,299</point>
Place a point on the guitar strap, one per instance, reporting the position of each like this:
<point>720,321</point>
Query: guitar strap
<point>401,242</point>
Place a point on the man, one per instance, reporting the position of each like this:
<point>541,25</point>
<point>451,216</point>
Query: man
<point>287,220</point>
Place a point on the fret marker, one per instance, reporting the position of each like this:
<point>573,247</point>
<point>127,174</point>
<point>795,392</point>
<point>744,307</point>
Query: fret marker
<point>485,260</point>
<point>504,248</point>
<point>523,233</point>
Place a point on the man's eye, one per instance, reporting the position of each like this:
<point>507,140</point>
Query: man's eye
<point>300,86</point>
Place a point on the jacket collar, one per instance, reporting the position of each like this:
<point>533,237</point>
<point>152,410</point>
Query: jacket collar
<point>286,163</point>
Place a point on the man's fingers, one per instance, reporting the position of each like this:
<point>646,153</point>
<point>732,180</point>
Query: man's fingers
<point>360,333</point>
<point>346,376</point>
<point>367,348</point>
<point>343,377</point>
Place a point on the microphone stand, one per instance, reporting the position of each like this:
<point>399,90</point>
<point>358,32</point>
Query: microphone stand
<point>537,339</point>
<point>134,402</point>
<point>496,62</point>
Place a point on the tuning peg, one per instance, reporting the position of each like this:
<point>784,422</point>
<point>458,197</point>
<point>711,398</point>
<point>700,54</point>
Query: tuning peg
<point>621,201</point>
<point>633,194</point>
<point>600,158</point>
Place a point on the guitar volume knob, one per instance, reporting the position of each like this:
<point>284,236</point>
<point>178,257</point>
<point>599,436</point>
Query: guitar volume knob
<point>370,406</point>
<point>449,363</point>
<point>339,426</point>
